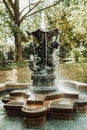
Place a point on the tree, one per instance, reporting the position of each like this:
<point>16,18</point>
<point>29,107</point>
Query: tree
<point>2,16</point>
<point>70,17</point>
<point>17,17</point>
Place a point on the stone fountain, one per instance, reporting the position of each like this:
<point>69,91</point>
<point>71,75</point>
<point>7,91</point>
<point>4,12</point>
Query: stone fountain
<point>42,64</point>
<point>43,99</point>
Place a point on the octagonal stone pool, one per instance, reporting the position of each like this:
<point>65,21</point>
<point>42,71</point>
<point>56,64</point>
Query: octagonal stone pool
<point>78,121</point>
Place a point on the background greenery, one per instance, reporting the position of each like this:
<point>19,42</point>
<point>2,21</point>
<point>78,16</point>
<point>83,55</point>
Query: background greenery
<point>69,16</point>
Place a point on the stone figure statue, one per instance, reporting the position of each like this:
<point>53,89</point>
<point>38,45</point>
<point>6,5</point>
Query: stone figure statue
<point>42,52</point>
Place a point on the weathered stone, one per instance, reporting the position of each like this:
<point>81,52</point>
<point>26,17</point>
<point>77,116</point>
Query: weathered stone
<point>82,86</point>
<point>2,87</point>
<point>17,85</point>
<point>42,64</point>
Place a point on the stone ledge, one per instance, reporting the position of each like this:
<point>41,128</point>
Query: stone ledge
<point>60,116</point>
<point>54,96</point>
<point>17,85</point>
<point>2,87</point>
<point>71,95</point>
<point>12,86</point>
<point>36,99</point>
<point>82,87</point>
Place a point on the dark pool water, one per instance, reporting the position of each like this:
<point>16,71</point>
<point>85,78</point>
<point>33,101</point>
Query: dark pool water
<point>78,122</point>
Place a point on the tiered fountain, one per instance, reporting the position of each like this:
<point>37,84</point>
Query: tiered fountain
<point>44,99</point>
<point>42,64</point>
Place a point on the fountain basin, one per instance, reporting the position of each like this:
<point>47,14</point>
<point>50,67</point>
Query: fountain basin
<point>14,105</point>
<point>61,109</point>
<point>82,87</point>
<point>38,106</point>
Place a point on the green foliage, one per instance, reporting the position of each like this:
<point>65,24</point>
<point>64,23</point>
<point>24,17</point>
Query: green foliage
<point>2,59</point>
<point>84,53</point>
<point>21,64</point>
<point>25,52</point>
<point>4,28</point>
<point>77,54</point>
<point>1,56</point>
<point>14,28</point>
<point>66,16</point>
<point>67,2</point>
<point>10,54</point>
<point>64,51</point>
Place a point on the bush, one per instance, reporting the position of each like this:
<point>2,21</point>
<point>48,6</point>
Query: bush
<point>77,54</point>
<point>10,54</point>
<point>2,59</point>
<point>84,53</point>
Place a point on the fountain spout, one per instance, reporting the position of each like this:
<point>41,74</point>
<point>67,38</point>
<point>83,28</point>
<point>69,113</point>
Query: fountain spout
<point>43,25</point>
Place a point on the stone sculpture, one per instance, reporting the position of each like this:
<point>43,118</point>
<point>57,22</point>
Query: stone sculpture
<point>41,58</point>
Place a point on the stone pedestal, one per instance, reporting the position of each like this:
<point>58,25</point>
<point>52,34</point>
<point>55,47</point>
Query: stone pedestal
<point>43,83</point>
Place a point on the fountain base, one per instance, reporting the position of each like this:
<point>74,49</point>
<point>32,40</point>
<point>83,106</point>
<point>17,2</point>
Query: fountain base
<point>37,107</point>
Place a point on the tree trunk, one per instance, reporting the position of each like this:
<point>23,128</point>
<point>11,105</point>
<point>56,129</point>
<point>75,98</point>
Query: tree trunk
<point>18,48</point>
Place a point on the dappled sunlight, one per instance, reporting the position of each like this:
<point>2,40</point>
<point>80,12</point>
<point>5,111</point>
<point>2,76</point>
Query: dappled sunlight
<point>12,76</point>
<point>16,75</point>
